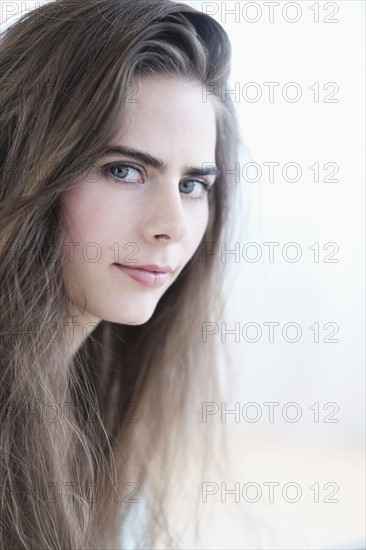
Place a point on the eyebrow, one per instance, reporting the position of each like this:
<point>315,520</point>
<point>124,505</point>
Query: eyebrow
<point>158,164</point>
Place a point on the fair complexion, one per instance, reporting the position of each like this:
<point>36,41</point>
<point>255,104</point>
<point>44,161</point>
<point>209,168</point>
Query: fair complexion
<point>148,205</point>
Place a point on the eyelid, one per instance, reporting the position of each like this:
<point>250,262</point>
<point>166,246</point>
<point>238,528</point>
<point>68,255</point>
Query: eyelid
<point>205,188</point>
<point>201,179</point>
<point>127,163</point>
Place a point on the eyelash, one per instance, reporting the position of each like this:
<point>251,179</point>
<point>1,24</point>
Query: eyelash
<point>107,172</point>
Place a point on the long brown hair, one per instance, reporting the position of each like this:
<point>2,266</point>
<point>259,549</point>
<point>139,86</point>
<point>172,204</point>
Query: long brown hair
<point>82,439</point>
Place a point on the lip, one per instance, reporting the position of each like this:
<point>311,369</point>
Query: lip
<point>150,276</point>
<point>151,267</point>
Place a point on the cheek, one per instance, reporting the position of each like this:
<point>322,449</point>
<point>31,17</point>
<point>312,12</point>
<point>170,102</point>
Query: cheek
<point>84,225</point>
<point>88,214</point>
<point>197,228</point>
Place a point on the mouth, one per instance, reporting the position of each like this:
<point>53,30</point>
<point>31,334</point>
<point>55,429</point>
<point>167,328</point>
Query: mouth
<point>150,276</point>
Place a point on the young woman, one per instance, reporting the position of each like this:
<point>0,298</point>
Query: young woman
<point>117,153</point>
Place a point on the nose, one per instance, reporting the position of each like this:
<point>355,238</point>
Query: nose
<point>164,218</point>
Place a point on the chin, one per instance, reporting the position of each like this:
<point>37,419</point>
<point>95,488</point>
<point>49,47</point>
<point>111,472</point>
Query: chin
<point>139,316</point>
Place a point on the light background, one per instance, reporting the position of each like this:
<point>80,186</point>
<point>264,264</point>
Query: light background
<point>305,292</point>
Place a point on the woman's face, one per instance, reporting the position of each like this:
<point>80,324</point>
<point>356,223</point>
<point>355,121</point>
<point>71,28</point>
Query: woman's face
<point>144,207</point>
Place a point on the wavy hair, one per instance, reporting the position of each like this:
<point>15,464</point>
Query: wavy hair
<point>81,438</point>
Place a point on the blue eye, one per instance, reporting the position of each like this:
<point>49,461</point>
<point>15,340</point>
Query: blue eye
<point>124,173</point>
<point>194,191</point>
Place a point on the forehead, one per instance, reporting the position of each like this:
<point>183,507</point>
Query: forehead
<point>170,118</point>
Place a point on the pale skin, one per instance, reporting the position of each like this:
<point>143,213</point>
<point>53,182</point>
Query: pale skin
<point>158,215</point>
